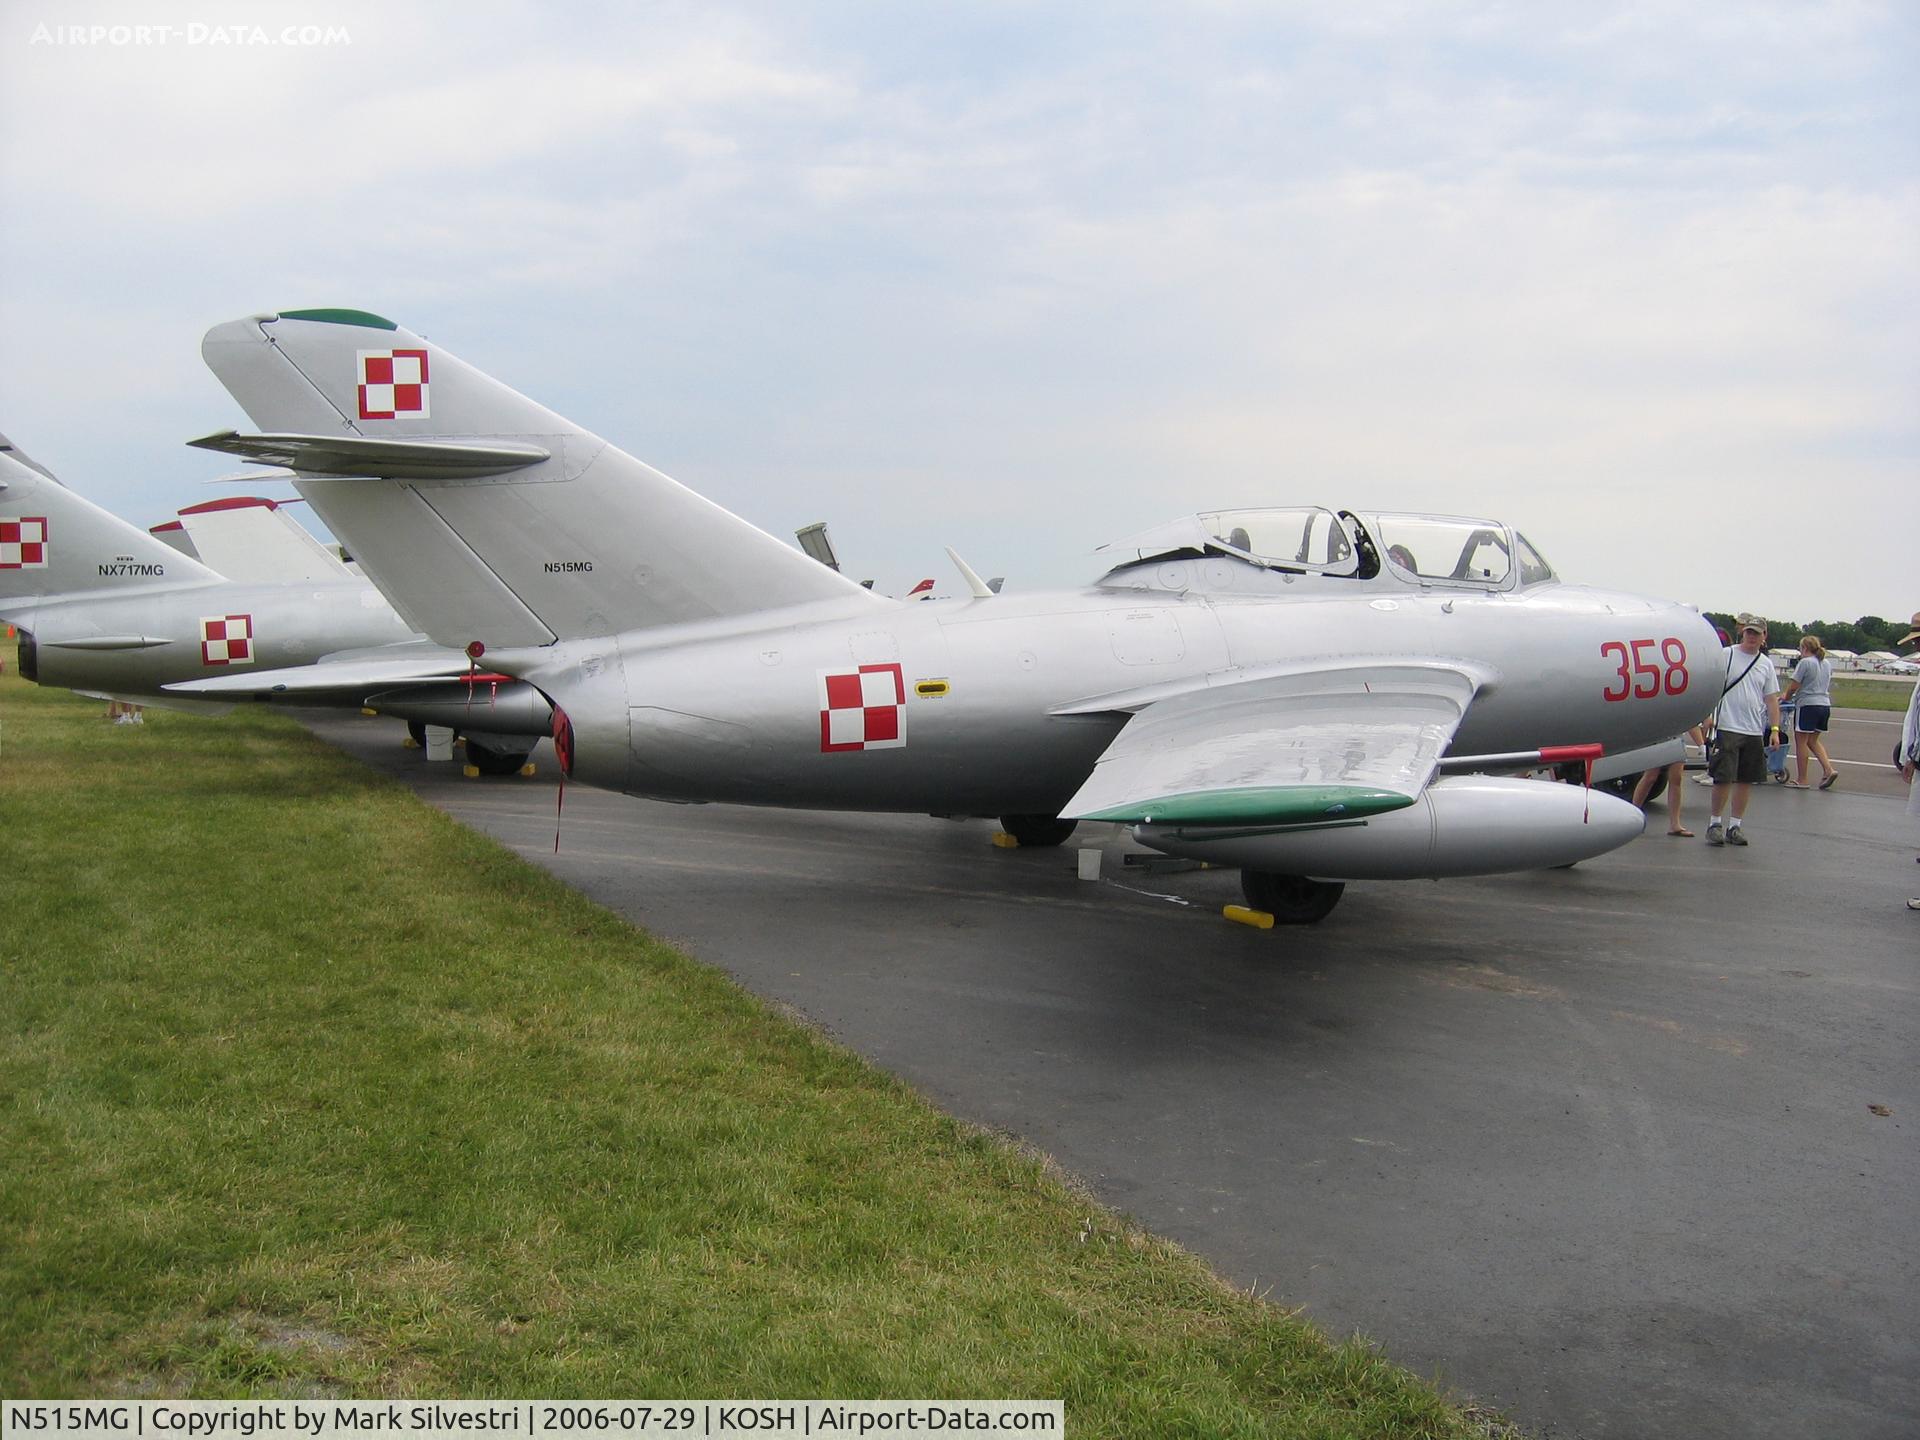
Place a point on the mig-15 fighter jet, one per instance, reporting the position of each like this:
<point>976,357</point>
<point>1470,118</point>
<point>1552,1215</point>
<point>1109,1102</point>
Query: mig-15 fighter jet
<point>107,608</point>
<point>114,611</point>
<point>1312,695</point>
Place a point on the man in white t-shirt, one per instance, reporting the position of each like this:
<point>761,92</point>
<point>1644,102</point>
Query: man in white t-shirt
<point>1747,716</point>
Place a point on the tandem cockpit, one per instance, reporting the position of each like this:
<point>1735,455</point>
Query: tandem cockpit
<point>1262,549</point>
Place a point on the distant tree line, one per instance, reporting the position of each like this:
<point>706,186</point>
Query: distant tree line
<point>1869,632</point>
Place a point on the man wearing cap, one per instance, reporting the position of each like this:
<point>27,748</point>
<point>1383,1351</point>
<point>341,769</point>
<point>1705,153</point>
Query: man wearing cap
<point>1748,713</point>
<point>1909,752</point>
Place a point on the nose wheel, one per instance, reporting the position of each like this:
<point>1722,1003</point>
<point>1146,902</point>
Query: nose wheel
<point>1290,899</point>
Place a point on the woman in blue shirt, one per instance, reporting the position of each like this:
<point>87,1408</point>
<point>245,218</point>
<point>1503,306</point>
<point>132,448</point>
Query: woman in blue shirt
<point>1812,685</point>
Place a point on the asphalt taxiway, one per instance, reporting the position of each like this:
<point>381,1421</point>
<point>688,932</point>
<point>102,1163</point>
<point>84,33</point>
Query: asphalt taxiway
<point>1626,1150</point>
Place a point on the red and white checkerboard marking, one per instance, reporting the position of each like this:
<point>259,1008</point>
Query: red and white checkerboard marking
<point>864,709</point>
<point>23,542</point>
<point>226,640</point>
<point>393,384</point>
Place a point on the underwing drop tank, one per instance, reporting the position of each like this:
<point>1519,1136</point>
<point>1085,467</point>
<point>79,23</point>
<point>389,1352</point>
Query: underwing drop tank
<point>1462,825</point>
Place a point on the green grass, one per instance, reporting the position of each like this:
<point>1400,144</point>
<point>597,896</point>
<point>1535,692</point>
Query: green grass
<point>1852,694</point>
<point>305,1090</point>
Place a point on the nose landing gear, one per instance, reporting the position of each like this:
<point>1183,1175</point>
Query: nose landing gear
<point>1290,899</point>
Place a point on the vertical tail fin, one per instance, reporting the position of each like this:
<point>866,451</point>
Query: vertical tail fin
<point>53,542</point>
<point>489,517</point>
<point>174,534</point>
<point>251,539</point>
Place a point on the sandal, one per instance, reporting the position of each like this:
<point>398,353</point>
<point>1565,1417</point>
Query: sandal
<point>1681,834</point>
<point>1798,785</point>
<point>1827,784</point>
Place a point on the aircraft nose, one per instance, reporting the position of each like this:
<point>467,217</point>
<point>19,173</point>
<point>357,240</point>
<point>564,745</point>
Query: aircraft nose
<point>1695,631</point>
<point>1702,643</point>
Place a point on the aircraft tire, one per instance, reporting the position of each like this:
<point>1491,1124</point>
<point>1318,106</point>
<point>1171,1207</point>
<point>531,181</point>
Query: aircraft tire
<point>1038,831</point>
<point>495,762</point>
<point>417,731</point>
<point>1290,899</point>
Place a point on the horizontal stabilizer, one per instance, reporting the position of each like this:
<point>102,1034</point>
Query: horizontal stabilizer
<point>357,455</point>
<point>354,670</point>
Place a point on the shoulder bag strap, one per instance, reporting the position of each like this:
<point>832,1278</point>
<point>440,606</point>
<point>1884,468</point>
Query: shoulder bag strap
<point>1743,675</point>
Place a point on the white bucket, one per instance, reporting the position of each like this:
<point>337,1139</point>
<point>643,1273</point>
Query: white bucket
<point>1090,863</point>
<point>439,742</point>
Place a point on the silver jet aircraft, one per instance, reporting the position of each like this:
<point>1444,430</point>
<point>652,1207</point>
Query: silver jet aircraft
<point>111,610</point>
<point>107,608</point>
<point>1313,696</point>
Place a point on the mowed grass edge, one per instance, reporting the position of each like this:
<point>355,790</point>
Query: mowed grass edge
<point>306,1090</point>
<point>1852,694</point>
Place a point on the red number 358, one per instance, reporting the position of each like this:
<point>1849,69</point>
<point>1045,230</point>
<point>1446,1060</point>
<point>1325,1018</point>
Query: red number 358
<point>1640,675</point>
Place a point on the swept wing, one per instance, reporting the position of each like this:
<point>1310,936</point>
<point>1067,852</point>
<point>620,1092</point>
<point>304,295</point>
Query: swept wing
<point>1325,746</point>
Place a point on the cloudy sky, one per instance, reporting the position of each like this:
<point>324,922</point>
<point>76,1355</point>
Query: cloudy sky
<point>1640,278</point>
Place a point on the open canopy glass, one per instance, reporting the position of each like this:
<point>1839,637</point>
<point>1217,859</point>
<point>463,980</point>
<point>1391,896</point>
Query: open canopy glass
<point>1416,549</point>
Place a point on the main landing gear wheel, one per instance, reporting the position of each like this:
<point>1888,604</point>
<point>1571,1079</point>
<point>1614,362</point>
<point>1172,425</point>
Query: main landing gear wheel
<point>495,762</point>
<point>1290,899</point>
<point>1038,831</point>
<point>1621,785</point>
<point>417,732</point>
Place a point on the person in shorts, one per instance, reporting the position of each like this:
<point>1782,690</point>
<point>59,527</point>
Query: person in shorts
<point>1747,715</point>
<point>1811,685</point>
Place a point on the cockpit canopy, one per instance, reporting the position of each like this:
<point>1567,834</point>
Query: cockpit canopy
<point>1423,550</point>
<point>1304,538</point>
<point>1450,550</point>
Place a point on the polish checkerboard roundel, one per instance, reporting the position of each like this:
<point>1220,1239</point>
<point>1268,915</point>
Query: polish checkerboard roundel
<point>23,542</point>
<point>226,640</point>
<point>863,709</point>
<point>393,384</point>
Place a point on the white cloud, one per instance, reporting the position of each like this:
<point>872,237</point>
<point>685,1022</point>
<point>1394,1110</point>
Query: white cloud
<point>1594,270</point>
